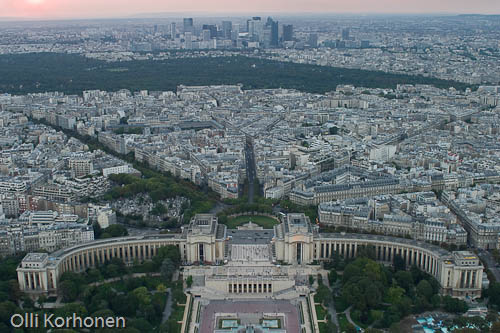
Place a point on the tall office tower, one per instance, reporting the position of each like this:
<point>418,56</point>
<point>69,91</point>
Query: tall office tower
<point>235,32</point>
<point>345,34</point>
<point>173,30</point>
<point>206,35</point>
<point>250,27</point>
<point>188,25</point>
<point>227,27</point>
<point>273,26</point>
<point>287,32</point>
<point>274,33</point>
<point>255,28</point>
<point>188,40</point>
<point>313,40</point>
<point>212,28</point>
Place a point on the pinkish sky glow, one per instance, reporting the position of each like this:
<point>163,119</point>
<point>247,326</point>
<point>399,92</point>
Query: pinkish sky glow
<point>117,8</point>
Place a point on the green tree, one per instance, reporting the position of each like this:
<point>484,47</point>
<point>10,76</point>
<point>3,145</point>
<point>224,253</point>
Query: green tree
<point>171,252</point>
<point>116,230</point>
<point>159,209</point>
<point>189,281</point>
<point>41,301</point>
<point>124,305</point>
<point>69,309</point>
<point>97,230</point>
<point>399,263</point>
<point>103,313</point>
<point>94,275</point>
<point>454,305</point>
<point>141,324</point>
<point>424,289</point>
<point>69,290</point>
<point>28,303</point>
<point>167,269</point>
<point>395,295</point>
<point>376,315</point>
<point>7,309</point>
<point>323,295</point>
<point>332,276</point>
<point>405,280</point>
<point>493,293</point>
<point>161,288</point>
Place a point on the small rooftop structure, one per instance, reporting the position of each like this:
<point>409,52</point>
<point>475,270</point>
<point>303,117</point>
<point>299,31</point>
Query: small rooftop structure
<point>465,258</point>
<point>203,224</point>
<point>34,260</point>
<point>297,223</point>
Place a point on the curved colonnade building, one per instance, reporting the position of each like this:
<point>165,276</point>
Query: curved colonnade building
<point>295,242</point>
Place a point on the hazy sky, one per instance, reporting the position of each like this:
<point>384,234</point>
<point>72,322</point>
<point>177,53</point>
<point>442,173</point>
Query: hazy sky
<point>116,8</point>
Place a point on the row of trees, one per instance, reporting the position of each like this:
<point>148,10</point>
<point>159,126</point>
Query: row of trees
<point>128,130</point>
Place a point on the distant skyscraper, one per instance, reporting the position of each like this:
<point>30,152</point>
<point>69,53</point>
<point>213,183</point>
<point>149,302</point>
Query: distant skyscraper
<point>345,34</point>
<point>313,40</point>
<point>235,32</point>
<point>212,28</point>
<point>255,28</point>
<point>206,35</point>
<point>250,27</point>
<point>173,30</point>
<point>287,32</point>
<point>273,27</point>
<point>188,40</point>
<point>188,25</point>
<point>227,27</point>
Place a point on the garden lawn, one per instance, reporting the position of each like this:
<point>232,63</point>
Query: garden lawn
<point>263,221</point>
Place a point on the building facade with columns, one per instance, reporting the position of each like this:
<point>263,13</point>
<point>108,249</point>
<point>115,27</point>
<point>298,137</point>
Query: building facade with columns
<point>295,242</point>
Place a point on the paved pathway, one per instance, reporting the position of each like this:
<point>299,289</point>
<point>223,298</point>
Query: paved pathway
<point>349,319</point>
<point>168,306</point>
<point>331,304</point>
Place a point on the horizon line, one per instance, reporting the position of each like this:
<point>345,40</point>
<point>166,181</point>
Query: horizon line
<point>157,15</point>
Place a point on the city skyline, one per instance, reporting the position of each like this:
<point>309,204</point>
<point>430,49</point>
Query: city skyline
<point>64,9</point>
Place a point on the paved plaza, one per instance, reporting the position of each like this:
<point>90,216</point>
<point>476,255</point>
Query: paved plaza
<point>250,310</point>
<point>250,252</point>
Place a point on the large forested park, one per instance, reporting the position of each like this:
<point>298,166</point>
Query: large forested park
<point>138,293</point>
<point>71,74</point>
